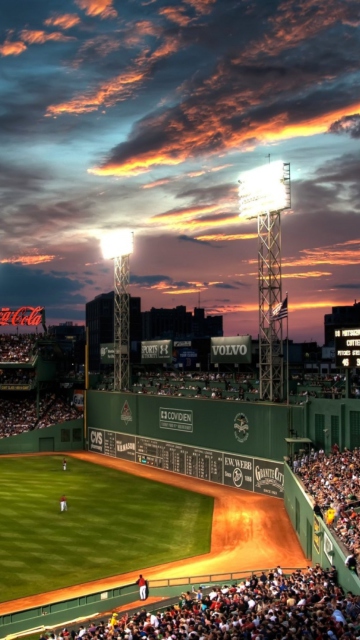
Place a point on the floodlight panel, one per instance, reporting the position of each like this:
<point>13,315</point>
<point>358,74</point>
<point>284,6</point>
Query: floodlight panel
<point>117,243</point>
<point>263,190</point>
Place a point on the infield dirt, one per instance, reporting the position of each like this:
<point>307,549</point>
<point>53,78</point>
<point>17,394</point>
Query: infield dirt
<point>250,531</point>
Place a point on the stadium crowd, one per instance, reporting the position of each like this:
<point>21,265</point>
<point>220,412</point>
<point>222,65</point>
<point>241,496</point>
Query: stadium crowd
<point>306,605</point>
<point>333,481</point>
<point>17,347</point>
<point>17,376</point>
<point>18,415</point>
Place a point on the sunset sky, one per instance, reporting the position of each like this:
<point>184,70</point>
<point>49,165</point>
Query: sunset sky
<point>141,114</point>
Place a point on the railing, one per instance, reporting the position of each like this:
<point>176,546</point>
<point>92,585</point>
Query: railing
<point>89,605</point>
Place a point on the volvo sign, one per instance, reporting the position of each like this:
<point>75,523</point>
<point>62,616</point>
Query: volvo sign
<point>228,350</point>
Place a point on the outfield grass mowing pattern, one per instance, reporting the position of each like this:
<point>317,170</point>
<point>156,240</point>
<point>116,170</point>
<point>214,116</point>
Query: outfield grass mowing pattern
<point>115,523</point>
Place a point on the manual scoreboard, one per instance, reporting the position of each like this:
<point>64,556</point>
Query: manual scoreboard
<point>347,348</point>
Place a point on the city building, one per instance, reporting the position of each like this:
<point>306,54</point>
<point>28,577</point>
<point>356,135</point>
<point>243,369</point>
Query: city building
<point>100,324</point>
<point>180,324</point>
<point>344,317</point>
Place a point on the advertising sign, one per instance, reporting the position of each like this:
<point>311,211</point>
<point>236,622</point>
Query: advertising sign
<point>176,419</point>
<point>228,350</point>
<point>15,387</point>
<point>269,477</point>
<point>96,440</point>
<point>24,316</point>
<point>347,347</point>
<point>107,353</point>
<point>156,352</point>
<point>188,357</point>
<point>125,447</point>
<point>78,399</point>
<point>239,472</point>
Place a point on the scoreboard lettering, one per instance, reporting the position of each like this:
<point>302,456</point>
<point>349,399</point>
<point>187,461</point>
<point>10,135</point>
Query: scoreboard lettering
<point>347,347</point>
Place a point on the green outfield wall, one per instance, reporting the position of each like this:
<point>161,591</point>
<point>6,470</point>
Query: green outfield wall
<point>67,436</point>
<point>238,444</point>
<point>247,428</point>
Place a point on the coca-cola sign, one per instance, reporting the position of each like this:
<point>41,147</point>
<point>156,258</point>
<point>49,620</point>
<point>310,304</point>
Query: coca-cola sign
<point>23,316</point>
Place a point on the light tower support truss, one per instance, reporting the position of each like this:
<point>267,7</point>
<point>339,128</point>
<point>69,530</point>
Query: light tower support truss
<point>270,294</point>
<point>271,354</point>
<point>263,194</point>
<point>121,323</point>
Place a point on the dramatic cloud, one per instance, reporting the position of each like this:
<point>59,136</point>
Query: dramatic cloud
<point>9,48</point>
<point>347,124</point>
<point>143,115</point>
<point>63,21</point>
<point>35,287</point>
<point>102,8</point>
<point>39,37</point>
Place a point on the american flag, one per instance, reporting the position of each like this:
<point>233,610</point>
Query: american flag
<point>280,311</point>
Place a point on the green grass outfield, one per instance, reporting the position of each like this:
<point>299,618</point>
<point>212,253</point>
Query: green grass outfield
<point>115,523</point>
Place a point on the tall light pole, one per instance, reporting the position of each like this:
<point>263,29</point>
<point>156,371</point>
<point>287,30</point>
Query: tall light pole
<point>263,194</point>
<point>118,246</point>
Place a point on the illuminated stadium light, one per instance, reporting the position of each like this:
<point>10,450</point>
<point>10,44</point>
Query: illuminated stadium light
<point>117,243</point>
<point>263,190</point>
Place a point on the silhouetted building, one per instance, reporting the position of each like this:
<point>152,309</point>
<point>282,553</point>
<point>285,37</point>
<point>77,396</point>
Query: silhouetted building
<point>100,323</point>
<point>70,338</point>
<point>341,318</point>
<point>179,324</point>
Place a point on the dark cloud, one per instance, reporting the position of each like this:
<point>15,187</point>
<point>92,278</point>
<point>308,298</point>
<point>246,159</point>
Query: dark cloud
<point>33,287</point>
<point>209,193</point>
<point>224,285</point>
<point>347,124</point>
<point>149,280</point>
<point>185,238</point>
<point>348,285</point>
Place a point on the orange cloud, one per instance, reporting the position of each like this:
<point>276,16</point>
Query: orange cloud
<point>134,167</point>
<point>187,212</point>
<point>39,37</point>
<point>12,48</point>
<point>119,88</point>
<point>101,8</point>
<point>157,183</point>
<point>291,27</point>
<point>181,142</point>
<point>222,237</point>
<point>195,174</point>
<point>175,14</point>
<point>201,6</point>
<point>176,292</point>
<point>334,255</point>
<point>306,274</point>
<point>114,90</point>
<point>63,21</point>
<point>220,168</point>
<point>38,259</point>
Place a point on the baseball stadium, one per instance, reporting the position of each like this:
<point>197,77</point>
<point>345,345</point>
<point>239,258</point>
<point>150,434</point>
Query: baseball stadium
<point>187,489</point>
<point>231,489</point>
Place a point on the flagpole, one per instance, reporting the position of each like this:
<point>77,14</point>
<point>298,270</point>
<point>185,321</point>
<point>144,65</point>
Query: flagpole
<point>287,351</point>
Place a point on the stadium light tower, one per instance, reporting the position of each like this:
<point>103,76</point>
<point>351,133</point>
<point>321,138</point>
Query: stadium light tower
<point>264,193</point>
<point>118,246</point>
